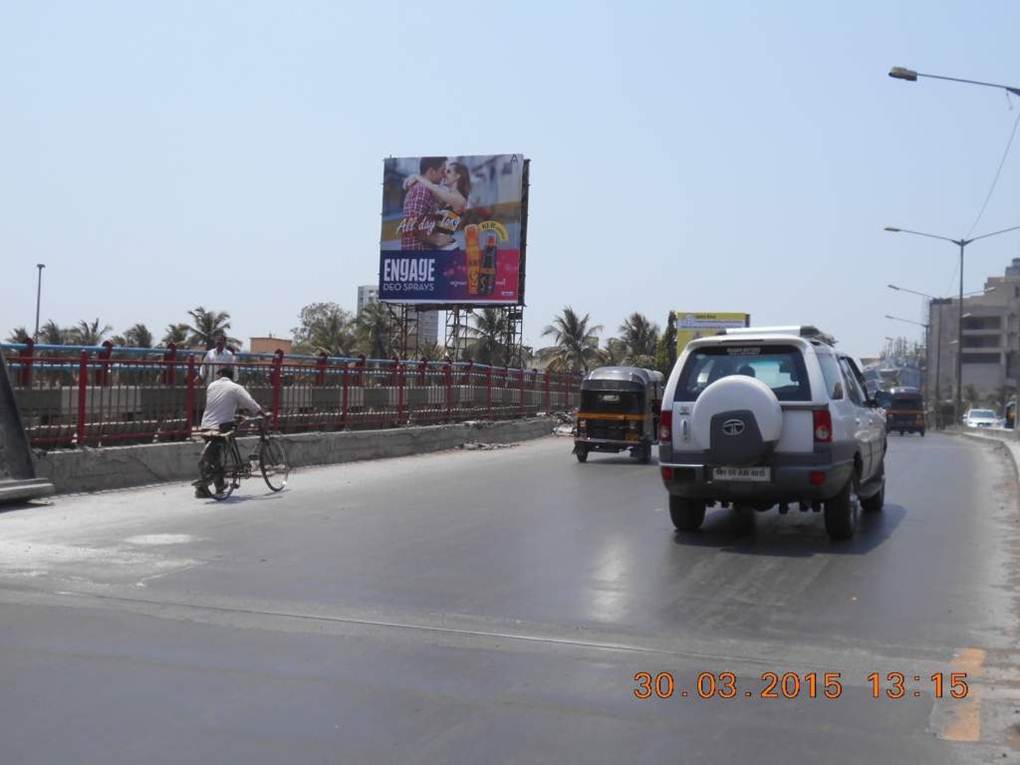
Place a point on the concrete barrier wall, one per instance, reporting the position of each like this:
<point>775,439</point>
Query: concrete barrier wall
<point>117,467</point>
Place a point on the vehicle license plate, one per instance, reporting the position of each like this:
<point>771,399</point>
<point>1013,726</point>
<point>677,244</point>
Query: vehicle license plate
<point>742,474</point>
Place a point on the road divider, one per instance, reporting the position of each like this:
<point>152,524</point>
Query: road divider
<point>119,467</point>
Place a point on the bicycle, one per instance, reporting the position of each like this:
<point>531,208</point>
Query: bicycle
<point>269,455</point>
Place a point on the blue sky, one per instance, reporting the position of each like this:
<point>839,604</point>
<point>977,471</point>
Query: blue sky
<point>698,156</point>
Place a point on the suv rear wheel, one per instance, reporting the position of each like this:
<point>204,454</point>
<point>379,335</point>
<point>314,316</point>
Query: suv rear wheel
<point>841,513</point>
<point>686,514</point>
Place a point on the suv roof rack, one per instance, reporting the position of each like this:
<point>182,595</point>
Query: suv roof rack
<point>807,331</point>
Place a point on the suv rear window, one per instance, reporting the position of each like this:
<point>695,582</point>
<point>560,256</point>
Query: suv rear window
<point>781,367</point>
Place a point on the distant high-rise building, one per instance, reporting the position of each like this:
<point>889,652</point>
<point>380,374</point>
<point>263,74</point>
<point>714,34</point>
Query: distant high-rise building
<point>367,293</point>
<point>428,327</point>
<point>428,321</point>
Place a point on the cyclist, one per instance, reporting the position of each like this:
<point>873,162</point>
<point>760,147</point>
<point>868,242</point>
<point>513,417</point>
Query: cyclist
<point>224,398</point>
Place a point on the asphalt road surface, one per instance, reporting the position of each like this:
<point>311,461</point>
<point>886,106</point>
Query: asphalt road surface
<point>496,606</point>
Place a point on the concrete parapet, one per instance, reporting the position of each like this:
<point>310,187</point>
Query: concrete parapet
<point>118,467</point>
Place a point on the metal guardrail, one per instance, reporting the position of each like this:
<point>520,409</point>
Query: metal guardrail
<point>78,396</point>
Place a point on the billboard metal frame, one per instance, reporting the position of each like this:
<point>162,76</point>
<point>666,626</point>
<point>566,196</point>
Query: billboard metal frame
<point>455,339</point>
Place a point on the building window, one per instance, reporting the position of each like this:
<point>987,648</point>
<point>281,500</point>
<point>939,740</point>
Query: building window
<point>981,358</point>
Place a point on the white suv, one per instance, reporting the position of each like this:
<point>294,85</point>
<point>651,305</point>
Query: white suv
<point>764,416</point>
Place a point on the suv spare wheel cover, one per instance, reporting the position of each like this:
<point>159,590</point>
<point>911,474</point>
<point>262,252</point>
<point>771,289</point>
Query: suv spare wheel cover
<point>732,393</point>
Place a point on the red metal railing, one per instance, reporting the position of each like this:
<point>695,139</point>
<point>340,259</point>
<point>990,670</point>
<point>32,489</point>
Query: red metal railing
<point>98,399</point>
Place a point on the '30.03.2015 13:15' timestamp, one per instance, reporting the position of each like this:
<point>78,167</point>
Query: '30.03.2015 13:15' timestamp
<point>794,685</point>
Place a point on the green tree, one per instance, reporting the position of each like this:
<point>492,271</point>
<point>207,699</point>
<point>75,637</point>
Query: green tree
<point>375,331</point>
<point>138,336</point>
<point>971,397</point>
<point>665,353</point>
<point>89,332</point>
<point>576,341</point>
<point>176,334</point>
<point>19,335</point>
<point>1002,396</point>
<point>640,335</point>
<point>325,327</point>
<point>206,325</point>
<point>488,332</point>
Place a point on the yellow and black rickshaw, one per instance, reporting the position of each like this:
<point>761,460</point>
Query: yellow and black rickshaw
<point>619,410</point>
<point>904,411</point>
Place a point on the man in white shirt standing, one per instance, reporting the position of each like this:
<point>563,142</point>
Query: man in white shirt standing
<point>217,357</point>
<point>223,399</point>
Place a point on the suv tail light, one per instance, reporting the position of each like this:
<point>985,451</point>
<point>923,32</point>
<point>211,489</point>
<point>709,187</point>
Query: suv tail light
<point>666,427</point>
<point>822,425</point>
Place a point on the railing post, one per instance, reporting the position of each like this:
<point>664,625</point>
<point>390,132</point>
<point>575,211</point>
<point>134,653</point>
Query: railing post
<point>102,374</point>
<point>488,392</point>
<point>277,380</point>
<point>320,374</point>
<point>448,383</point>
<point>400,392</point>
<point>520,385</point>
<point>25,373</point>
<point>83,384</point>
<point>170,365</point>
<point>359,367</point>
<point>189,397</point>
<point>345,397</point>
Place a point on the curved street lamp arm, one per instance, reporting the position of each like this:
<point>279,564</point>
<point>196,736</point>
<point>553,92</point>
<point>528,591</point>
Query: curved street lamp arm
<point>1014,91</point>
<point>908,321</point>
<point>994,233</point>
<point>930,236</point>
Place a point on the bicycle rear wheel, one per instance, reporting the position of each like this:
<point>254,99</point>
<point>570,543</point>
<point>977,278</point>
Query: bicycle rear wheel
<point>274,464</point>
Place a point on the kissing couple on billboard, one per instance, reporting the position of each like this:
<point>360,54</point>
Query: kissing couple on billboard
<point>434,201</point>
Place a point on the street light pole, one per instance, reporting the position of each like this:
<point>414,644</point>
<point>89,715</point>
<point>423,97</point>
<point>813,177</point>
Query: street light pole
<point>902,73</point>
<point>38,299</point>
<point>962,244</point>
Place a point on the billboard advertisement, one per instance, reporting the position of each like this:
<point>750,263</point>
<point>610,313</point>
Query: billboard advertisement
<point>453,230</point>
<point>691,326</point>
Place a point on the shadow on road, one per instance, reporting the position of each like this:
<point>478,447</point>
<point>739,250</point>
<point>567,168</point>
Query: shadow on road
<point>795,535</point>
<point>234,499</point>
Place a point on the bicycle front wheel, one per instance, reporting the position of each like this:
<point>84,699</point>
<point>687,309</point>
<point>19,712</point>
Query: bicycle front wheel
<point>274,464</point>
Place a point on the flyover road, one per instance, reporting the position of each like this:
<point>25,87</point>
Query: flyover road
<point>496,606</point>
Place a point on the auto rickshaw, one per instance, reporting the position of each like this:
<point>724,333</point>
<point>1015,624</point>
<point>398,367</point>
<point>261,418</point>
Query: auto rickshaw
<point>619,411</point>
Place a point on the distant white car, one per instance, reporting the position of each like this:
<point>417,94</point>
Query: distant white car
<point>982,418</point>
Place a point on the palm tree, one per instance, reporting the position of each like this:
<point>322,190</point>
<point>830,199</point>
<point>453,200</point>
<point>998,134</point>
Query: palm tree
<point>375,331</point>
<point>53,334</point>
<point>640,335</point>
<point>176,334</point>
<point>577,343</point>
<point>430,351</point>
<point>207,325</point>
<point>615,353</point>
<point>489,335</point>
<point>19,335</point>
<point>89,333</point>
<point>138,336</point>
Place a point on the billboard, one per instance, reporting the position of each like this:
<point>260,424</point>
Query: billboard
<point>691,326</point>
<point>453,230</point>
